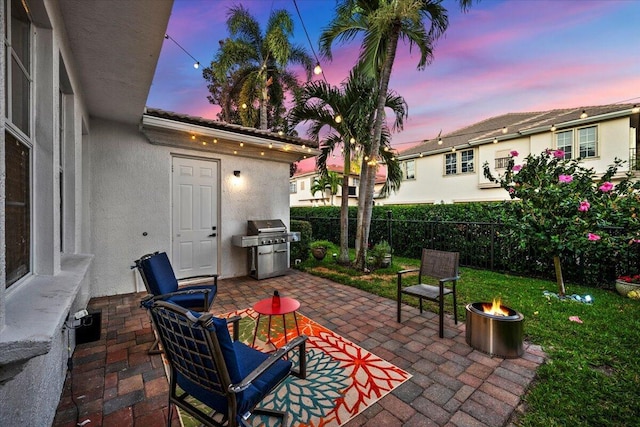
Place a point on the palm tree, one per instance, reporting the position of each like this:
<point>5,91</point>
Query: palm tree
<point>383,23</point>
<point>320,103</point>
<point>326,183</point>
<point>250,68</point>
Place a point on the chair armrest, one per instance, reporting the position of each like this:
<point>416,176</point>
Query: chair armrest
<point>449,279</point>
<point>412,270</point>
<point>186,281</point>
<point>235,320</point>
<point>273,358</point>
<point>150,298</point>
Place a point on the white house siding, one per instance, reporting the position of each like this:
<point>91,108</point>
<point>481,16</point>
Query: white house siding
<point>431,185</point>
<point>131,190</point>
<point>34,342</point>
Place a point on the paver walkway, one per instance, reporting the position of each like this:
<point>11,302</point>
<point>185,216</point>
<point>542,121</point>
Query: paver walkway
<point>116,383</point>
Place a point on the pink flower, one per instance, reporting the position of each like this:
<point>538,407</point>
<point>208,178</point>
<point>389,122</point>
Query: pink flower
<point>607,186</point>
<point>558,154</point>
<point>593,237</point>
<point>513,153</point>
<point>517,168</point>
<point>584,206</point>
<point>565,178</point>
<point>512,190</point>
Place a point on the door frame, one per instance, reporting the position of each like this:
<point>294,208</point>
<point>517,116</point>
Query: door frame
<point>218,183</point>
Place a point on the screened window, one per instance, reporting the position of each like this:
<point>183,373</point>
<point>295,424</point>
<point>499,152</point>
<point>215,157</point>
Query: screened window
<point>564,142</point>
<point>466,161</point>
<point>459,162</point>
<point>17,209</point>
<point>409,169</point>
<point>17,145</point>
<point>587,141</point>
<point>450,164</point>
<point>582,142</point>
<point>18,81</point>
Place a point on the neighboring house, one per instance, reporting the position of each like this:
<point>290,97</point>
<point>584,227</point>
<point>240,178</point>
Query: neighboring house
<point>90,181</point>
<point>450,169</point>
<point>300,185</point>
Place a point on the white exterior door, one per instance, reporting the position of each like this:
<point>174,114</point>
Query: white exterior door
<point>194,217</point>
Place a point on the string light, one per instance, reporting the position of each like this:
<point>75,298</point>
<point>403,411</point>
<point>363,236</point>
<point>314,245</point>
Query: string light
<point>553,128</point>
<point>635,109</point>
<point>495,140</point>
<point>583,115</point>
<point>439,141</point>
<point>196,64</point>
<point>338,118</point>
<point>318,69</point>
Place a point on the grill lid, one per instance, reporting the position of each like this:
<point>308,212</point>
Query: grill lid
<point>255,227</point>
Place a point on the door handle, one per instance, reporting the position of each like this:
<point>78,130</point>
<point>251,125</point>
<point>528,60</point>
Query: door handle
<point>212,235</point>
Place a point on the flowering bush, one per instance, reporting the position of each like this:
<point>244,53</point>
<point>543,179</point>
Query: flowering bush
<point>635,278</point>
<point>566,209</point>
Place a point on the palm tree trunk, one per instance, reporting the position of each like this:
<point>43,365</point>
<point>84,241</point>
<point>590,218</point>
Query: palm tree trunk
<point>365,199</point>
<point>263,108</point>
<point>559,278</point>
<point>344,213</point>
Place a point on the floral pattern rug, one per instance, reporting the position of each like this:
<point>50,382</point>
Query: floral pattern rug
<point>343,379</point>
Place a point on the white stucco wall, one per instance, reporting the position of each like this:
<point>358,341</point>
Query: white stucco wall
<point>431,185</point>
<point>131,195</point>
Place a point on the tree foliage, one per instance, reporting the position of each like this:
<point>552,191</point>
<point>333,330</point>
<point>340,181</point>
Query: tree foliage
<point>248,77</point>
<point>566,210</point>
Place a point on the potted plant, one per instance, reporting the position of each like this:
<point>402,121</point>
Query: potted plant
<point>319,248</point>
<point>629,286</point>
<point>380,255</point>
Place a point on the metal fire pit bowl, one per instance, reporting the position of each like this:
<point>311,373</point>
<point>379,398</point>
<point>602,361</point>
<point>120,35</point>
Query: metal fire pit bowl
<point>495,335</point>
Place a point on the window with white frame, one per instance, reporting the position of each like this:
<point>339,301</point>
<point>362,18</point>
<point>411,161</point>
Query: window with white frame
<point>459,162</point>
<point>293,187</point>
<point>409,169</point>
<point>18,82</point>
<point>564,142</point>
<point>581,142</point>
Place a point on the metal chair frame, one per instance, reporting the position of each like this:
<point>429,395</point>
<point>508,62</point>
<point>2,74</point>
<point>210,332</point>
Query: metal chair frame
<point>194,353</point>
<point>440,265</point>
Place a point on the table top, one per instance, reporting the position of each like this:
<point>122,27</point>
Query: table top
<point>266,307</point>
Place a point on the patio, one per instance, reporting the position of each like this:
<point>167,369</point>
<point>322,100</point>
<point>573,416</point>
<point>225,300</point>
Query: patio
<point>116,383</point>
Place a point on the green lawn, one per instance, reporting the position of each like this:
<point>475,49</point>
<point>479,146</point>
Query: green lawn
<point>592,375</point>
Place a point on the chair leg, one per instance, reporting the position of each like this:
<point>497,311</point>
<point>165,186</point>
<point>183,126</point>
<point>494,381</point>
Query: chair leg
<point>155,347</point>
<point>455,308</point>
<point>399,308</point>
<point>420,305</point>
<point>441,301</point>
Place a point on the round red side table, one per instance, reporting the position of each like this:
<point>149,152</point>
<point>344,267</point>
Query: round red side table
<point>266,307</point>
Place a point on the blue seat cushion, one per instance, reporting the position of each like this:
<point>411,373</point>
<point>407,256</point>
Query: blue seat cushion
<point>193,301</point>
<point>159,274</point>
<point>240,360</point>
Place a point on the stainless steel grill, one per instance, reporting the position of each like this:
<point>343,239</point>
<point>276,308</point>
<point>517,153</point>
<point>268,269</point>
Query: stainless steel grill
<point>268,247</point>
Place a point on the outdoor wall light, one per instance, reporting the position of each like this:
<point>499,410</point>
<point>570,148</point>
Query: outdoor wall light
<point>236,174</point>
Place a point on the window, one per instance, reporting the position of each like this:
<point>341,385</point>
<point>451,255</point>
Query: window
<point>582,142</point>
<point>564,142</point>
<point>17,144</point>
<point>460,162</point>
<point>466,161</point>
<point>301,185</point>
<point>587,142</point>
<point>18,79</point>
<point>293,187</point>
<point>17,209</point>
<point>450,164</point>
<point>409,169</point>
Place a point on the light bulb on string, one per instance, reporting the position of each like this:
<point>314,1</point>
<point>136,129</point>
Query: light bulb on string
<point>338,118</point>
<point>317,70</point>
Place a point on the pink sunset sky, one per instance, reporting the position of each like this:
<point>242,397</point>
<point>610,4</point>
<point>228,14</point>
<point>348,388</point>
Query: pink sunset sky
<point>499,57</point>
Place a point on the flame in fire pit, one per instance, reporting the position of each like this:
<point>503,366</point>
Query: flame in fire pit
<point>495,308</point>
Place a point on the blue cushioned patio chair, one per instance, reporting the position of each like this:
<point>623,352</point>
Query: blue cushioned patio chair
<point>227,376</point>
<point>159,279</point>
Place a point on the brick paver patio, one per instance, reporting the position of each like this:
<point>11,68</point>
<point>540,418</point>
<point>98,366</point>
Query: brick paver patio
<point>116,383</point>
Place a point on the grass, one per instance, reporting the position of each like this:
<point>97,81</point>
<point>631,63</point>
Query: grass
<point>592,375</point>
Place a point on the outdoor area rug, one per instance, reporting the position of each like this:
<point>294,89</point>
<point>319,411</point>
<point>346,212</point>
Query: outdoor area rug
<point>343,379</point>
